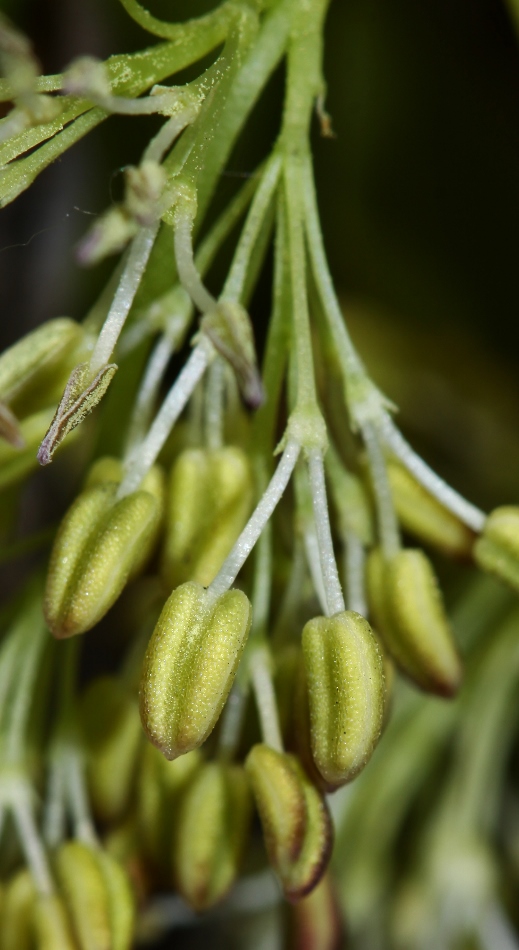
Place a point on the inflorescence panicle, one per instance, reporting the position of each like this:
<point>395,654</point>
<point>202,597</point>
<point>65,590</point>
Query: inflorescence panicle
<point>275,692</point>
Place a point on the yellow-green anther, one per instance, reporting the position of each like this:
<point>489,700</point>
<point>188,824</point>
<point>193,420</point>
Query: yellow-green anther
<point>104,469</point>
<point>296,823</point>
<point>81,395</point>
<point>110,469</point>
<point>16,463</point>
<point>190,664</point>
<point>84,893</point>
<point>345,676</point>
<point>112,736</point>
<point>407,608</point>
<point>210,498</point>
<point>36,354</point>
<point>159,786</point>
<point>97,547</point>
<point>97,895</point>
<point>212,832</point>
<point>17,910</point>
<point>497,550</point>
<point>52,928</point>
<point>121,902</point>
<point>424,516</point>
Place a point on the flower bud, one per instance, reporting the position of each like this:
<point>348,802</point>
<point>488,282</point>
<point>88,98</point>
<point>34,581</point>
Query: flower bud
<point>51,925</point>
<point>407,608</point>
<point>211,835</point>
<point>210,498</point>
<point>425,517</point>
<point>98,546</point>
<point>497,550</point>
<point>112,736</point>
<point>160,785</point>
<point>190,664</point>
<point>295,819</point>
<point>345,676</point>
<point>110,469</point>
<point>97,895</point>
<point>33,361</point>
<point>17,910</point>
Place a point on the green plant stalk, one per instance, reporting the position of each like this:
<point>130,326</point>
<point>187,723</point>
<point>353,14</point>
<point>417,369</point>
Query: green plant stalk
<point>489,717</point>
<point>277,344</point>
<point>34,637</point>
<point>130,75</point>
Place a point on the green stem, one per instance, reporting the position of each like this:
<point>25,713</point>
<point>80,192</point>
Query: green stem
<point>33,638</point>
<point>190,155</point>
<point>130,75</point>
<point>304,79</point>
<point>30,840</point>
<point>276,348</point>
<point>306,396</point>
<point>386,515</point>
<point>236,279</point>
<point>488,726</point>
<point>262,685</point>
<point>214,404</point>
<point>215,24</point>
<point>348,358</point>
<point>247,85</point>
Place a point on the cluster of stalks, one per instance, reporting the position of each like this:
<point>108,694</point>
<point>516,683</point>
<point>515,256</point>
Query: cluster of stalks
<point>244,552</point>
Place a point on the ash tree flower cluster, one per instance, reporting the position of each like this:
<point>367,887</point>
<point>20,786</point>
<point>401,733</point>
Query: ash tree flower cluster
<point>258,675</point>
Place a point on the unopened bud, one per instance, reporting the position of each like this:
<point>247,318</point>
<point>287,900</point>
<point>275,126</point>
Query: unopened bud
<point>99,542</point>
<point>407,609</point>
<point>295,819</point>
<point>112,735</point>
<point>97,895</point>
<point>17,910</point>
<point>32,361</point>
<point>110,469</point>
<point>497,550</point>
<point>52,926</point>
<point>425,517</point>
<point>229,328</point>
<point>345,676</point>
<point>190,665</point>
<point>212,833</point>
<point>210,497</point>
